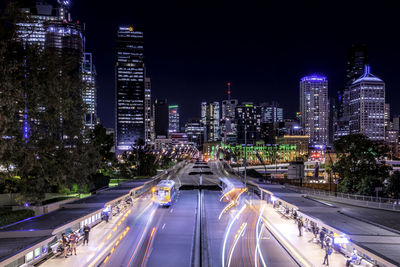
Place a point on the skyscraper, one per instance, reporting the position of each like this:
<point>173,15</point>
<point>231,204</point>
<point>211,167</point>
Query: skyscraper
<point>173,115</point>
<point>147,107</point>
<point>161,119</point>
<point>314,108</point>
<point>89,93</point>
<point>210,118</point>
<point>367,106</point>
<point>130,87</point>
<point>271,112</point>
<point>195,131</point>
<point>248,121</point>
<point>32,31</point>
<point>357,58</point>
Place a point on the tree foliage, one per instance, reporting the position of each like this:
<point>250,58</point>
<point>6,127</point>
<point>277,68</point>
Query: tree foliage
<point>360,164</point>
<point>42,141</point>
<point>393,187</point>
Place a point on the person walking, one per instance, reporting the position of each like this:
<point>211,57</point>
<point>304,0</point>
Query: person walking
<point>295,216</point>
<point>322,238</point>
<point>299,225</point>
<point>328,251</point>
<point>65,244</point>
<point>86,231</point>
<point>73,240</point>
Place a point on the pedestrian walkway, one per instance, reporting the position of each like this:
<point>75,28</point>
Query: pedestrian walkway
<point>287,233</point>
<point>85,252</point>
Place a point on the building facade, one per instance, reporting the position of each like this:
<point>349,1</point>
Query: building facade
<point>248,121</point>
<point>210,119</point>
<point>195,131</point>
<point>173,118</point>
<point>147,113</point>
<point>367,106</point>
<point>271,112</point>
<point>314,108</point>
<point>89,93</point>
<point>160,116</point>
<point>130,88</point>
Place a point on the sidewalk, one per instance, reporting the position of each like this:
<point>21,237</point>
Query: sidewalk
<point>85,252</point>
<point>287,232</point>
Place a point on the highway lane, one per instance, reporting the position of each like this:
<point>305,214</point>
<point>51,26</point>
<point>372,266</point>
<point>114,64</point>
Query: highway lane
<point>165,236</point>
<point>161,237</point>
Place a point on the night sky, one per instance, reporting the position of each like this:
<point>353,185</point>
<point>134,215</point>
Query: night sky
<point>263,48</point>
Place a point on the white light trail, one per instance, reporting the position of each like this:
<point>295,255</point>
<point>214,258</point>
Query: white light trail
<point>228,231</point>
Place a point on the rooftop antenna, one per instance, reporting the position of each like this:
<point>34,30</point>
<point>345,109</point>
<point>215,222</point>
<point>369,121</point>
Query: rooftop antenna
<point>229,90</point>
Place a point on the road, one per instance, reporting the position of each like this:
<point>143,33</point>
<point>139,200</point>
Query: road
<point>148,235</point>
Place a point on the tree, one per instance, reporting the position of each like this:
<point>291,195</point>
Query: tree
<point>42,140</point>
<point>359,164</point>
<point>393,187</point>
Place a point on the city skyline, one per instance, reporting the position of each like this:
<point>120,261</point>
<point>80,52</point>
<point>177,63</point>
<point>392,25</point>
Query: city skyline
<point>272,52</point>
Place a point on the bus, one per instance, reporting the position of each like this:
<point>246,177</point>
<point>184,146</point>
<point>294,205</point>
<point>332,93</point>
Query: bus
<point>164,193</point>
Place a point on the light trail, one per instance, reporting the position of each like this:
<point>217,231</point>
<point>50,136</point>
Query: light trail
<point>258,241</point>
<point>141,238</point>
<point>228,231</point>
<point>237,237</point>
<point>148,245</point>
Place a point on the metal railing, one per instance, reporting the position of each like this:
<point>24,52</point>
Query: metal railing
<point>359,200</point>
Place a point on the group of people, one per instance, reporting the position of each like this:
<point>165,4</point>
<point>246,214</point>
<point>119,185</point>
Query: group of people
<point>319,235</point>
<point>69,243</point>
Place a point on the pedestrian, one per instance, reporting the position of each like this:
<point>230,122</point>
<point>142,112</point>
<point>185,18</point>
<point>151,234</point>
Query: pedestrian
<point>106,217</point>
<point>328,251</point>
<point>65,244</point>
<point>73,240</point>
<point>86,231</point>
<point>299,225</point>
<point>295,216</point>
<point>322,238</point>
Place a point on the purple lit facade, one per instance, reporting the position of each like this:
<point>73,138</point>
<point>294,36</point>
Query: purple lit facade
<point>314,107</point>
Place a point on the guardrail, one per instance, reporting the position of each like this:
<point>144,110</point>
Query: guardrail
<point>360,200</point>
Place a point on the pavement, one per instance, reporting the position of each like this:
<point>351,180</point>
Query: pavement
<point>287,231</point>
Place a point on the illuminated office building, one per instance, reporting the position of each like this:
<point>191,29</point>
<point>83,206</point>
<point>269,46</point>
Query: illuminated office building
<point>367,106</point>
<point>32,31</point>
<point>130,87</point>
<point>89,93</point>
<point>195,131</point>
<point>147,114</point>
<point>248,121</point>
<point>173,115</point>
<point>210,118</point>
<point>271,113</point>
<point>314,108</point>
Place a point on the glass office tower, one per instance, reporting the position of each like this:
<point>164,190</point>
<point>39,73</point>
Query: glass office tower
<point>130,88</point>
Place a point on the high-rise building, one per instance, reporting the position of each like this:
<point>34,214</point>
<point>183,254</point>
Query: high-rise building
<point>271,112</point>
<point>314,108</point>
<point>89,91</point>
<point>357,58</point>
<point>367,106</point>
<point>195,131</point>
<point>248,121</point>
<point>210,118</point>
<point>173,114</point>
<point>130,87</point>
<point>32,31</point>
<point>228,125</point>
<point>147,108</point>
<point>161,119</point>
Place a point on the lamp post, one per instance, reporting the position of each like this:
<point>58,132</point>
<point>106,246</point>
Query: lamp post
<point>245,154</point>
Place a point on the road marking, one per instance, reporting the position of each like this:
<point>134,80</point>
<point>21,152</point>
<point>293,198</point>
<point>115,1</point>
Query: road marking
<point>171,210</point>
<point>163,226</point>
